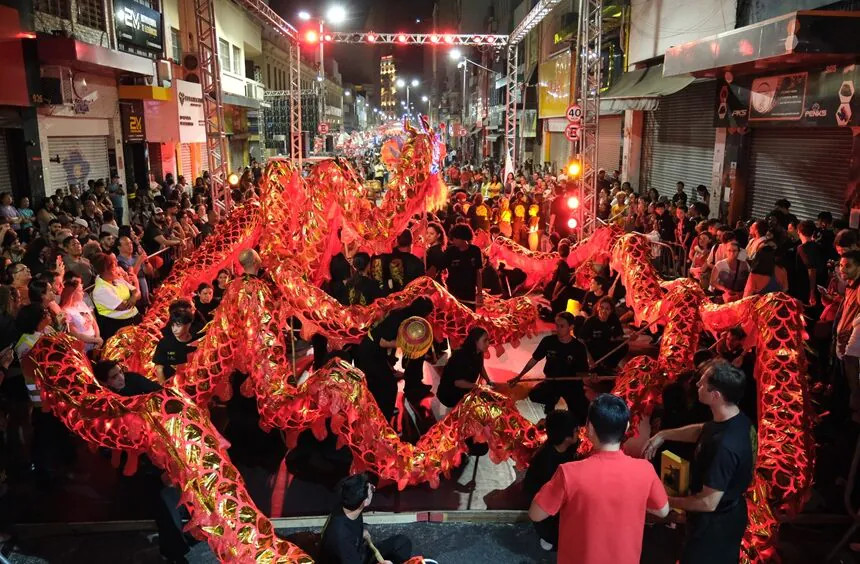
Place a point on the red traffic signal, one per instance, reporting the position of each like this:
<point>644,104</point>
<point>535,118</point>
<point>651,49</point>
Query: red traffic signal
<point>311,36</point>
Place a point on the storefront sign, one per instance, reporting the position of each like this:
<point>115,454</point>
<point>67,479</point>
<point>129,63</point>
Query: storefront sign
<point>778,97</point>
<point>554,86</point>
<point>815,99</point>
<point>133,130</point>
<point>138,25</point>
<point>192,118</point>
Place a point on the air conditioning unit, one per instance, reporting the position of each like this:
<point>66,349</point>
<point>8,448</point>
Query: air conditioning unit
<point>164,72</point>
<point>56,85</point>
<point>191,67</point>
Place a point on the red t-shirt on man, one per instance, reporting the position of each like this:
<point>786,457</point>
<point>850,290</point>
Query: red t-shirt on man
<point>601,503</point>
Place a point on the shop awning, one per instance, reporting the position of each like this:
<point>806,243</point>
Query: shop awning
<point>641,90</point>
<point>810,38</point>
<point>243,101</point>
<point>85,57</point>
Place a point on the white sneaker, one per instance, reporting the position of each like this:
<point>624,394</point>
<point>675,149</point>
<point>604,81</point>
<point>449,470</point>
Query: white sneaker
<point>546,545</point>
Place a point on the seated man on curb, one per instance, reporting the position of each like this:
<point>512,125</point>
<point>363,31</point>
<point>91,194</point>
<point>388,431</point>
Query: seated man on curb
<point>601,500</point>
<point>344,538</point>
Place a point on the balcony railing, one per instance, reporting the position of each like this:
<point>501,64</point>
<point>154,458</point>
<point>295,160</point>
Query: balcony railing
<point>254,89</point>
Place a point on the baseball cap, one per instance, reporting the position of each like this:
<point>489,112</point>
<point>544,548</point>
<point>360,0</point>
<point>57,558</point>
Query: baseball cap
<point>82,222</point>
<point>110,230</point>
<point>158,211</point>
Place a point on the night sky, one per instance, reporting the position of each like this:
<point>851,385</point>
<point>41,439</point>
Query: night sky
<point>358,62</point>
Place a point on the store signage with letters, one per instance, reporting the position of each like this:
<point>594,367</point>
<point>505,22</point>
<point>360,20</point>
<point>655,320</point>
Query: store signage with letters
<point>804,99</point>
<point>133,130</point>
<point>192,118</point>
<point>138,25</point>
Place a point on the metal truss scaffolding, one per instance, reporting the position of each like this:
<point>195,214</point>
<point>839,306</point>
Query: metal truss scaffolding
<point>512,86</point>
<point>415,38</point>
<point>295,103</point>
<point>511,91</point>
<point>210,79</point>
<point>588,97</point>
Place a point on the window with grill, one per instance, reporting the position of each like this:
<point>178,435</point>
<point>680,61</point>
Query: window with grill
<point>224,55</point>
<point>59,8</point>
<point>237,60</point>
<point>91,13</point>
<point>175,45</point>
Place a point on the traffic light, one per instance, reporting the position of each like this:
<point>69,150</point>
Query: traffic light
<point>573,202</point>
<point>573,169</point>
<point>311,36</point>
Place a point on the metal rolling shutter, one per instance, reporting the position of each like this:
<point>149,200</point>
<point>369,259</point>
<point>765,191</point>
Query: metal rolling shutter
<point>185,162</point>
<point>808,167</point>
<point>609,143</point>
<point>81,159</point>
<point>5,168</point>
<point>679,141</point>
<point>559,151</point>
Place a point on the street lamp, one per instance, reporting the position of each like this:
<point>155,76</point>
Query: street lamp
<point>425,99</point>
<point>335,15</point>
<point>413,84</point>
<point>347,93</point>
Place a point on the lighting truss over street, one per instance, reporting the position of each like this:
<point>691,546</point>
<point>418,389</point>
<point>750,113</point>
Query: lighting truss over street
<point>415,38</point>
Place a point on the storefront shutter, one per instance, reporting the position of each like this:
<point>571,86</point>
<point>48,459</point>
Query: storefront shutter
<point>806,166</point>
<point>609,143</point>
<point>80,159</point>
<point>679,141</point>
<point>559,151</point>
<point>185,162</point>
<point>5,166</point>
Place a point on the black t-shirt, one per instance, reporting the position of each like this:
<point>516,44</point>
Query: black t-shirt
<point>136,384</point>
<point>205,312</point>
<point>600,336</point>
<point>463,268</point>
<point>543,466</point>
<point>463,365</point>
<point>724,459</point>
<point>170,352</point>
<point>562,359</point>
<point>402,268</point>
<point>150,245</point>
<point>343,540</point>
<point>666,227</point>
<point>479,217</point>
<point>436,258</point>
<point>363,290</point>
<point>809,255</point>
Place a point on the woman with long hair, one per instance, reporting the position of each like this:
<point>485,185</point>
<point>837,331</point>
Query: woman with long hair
<point>12,248</point>
<point>436,241</point>
<point>464,368</point>
<point>42,291</point>
<point>80,317</point>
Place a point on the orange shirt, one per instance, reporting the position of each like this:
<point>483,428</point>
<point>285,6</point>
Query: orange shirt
<point>601,503</point>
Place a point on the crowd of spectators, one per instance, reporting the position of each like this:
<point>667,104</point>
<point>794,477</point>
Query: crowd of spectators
<point>84,263</point>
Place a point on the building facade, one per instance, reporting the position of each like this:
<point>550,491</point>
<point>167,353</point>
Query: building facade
<point>388,86</point>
